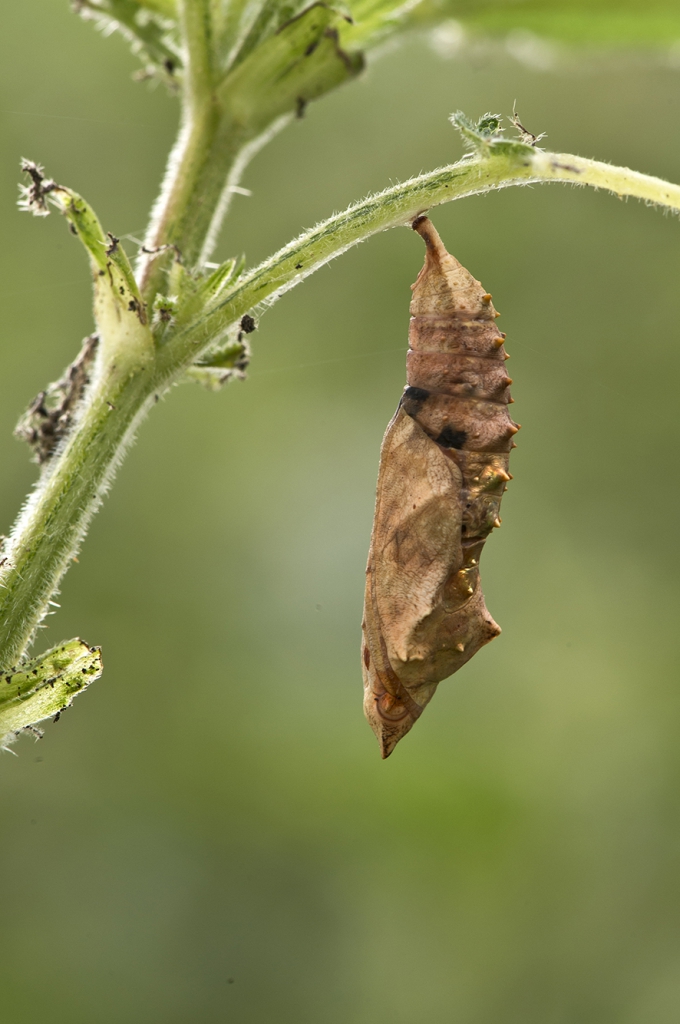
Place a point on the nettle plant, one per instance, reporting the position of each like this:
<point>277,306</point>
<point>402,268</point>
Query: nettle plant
<point>242,70</point>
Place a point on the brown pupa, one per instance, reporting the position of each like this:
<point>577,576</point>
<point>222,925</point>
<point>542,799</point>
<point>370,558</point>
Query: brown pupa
<point>443,471</point>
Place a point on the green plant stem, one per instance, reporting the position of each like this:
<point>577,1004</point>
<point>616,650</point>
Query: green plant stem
<point>194,23</point>
<point>183,190</point>
<point>55,518</point>
<point>53,523</point>
<point>196,174</point>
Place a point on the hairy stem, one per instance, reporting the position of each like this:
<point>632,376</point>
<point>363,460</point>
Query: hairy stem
<point>194,22</point>
<point>54,521</point>
<point>191,156</point>
<point>398,206</point>
<point>197,169</point>
<point>55,518</point>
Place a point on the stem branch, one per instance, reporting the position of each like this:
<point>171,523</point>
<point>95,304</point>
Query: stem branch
<point>399,206</point>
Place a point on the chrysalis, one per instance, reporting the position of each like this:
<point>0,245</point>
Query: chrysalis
<point>443,471</point>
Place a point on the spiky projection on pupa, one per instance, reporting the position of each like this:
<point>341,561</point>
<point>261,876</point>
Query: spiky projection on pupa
<point>443,471</point>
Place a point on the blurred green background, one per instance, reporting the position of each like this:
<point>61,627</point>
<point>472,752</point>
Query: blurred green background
<point>209,834</point>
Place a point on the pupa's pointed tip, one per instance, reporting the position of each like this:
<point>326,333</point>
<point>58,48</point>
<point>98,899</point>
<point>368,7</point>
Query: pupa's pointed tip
<point>388,734</point>
<point>387,745</point>
<point>388,715</point>
<point>386,737</point>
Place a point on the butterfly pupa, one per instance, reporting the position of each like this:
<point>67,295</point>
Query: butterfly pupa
<point>443,471</point>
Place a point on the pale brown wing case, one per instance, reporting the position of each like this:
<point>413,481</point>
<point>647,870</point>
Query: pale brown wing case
<point>443,471</point>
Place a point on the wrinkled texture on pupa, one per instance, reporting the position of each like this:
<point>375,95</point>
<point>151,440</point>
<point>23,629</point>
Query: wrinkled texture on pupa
<point>443,471</point>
